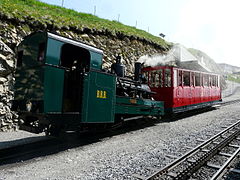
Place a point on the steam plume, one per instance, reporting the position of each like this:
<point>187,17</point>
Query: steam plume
<point>159,59</point>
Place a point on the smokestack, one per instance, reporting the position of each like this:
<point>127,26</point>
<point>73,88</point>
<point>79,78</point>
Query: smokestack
<point>137,72</point>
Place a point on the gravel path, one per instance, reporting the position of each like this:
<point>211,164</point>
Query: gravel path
<point>119,156</point>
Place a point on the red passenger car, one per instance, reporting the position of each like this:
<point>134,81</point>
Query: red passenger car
<point>183,89</point>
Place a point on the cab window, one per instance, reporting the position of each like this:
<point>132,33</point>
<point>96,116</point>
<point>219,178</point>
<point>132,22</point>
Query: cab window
<point>75,57</point>
<point>41,52</point>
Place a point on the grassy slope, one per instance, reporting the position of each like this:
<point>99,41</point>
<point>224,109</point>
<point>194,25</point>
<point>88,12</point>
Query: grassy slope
<point>35,10</point>
<point>198,53</point>
<point>234,78</point>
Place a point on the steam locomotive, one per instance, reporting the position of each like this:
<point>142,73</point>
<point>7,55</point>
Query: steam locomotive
<point>60,85</point>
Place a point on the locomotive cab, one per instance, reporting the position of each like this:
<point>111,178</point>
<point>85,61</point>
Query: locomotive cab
<point>55,78</point>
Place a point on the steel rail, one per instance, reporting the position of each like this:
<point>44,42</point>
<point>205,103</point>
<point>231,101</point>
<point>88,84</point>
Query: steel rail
<point>222,170</point>
<point>194,166</point>
<point>186,155</point>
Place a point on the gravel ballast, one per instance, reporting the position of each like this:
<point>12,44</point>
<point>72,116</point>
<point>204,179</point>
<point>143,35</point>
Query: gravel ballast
<point>121,155</point>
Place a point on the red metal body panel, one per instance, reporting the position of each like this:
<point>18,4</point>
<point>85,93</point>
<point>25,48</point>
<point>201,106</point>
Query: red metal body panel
<point>185,88</point>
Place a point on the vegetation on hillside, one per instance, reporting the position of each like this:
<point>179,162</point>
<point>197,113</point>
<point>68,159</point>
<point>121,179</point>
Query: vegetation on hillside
<point>234,77</point>
<point>34,10</point>
<point>198,53</point>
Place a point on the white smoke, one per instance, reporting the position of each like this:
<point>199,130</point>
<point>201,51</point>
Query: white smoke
<point>152,60</point>
<point>159,59</point>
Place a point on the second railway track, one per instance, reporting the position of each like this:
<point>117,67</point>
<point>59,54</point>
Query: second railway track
<point>191,162</point>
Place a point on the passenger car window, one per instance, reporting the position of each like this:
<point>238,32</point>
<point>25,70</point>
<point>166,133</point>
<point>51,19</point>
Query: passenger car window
<point>206,80</point>
<point>167,78</point>
<point>197,79</point>
<point>160,72</point>
<point>186,78</point>
<point>192,79</point>
<point>157,83</point>
<point>175,79</point>
<point>153,75</point>
<point>150,79</point>
<point>179,78</point>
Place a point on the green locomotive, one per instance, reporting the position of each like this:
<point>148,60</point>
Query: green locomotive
<point>60,85</point>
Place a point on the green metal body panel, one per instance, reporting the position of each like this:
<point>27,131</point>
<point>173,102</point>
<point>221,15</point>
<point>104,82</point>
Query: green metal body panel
<point>53,51</point>
<point>30,76</point>
<point>129,106</point>
<point>29,84</point>
<point>96,60</point>
<point>99,98</point>
<point>53,78</point>
<point>53,89</point>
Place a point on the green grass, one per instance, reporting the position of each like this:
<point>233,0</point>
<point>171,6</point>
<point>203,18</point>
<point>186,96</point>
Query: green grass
<point>234,78</point>
<point>198,53</point>
<point>62,17</point>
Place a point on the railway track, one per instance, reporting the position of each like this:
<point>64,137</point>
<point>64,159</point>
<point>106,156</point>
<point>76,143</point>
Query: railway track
<point>51,145</point>
<point>193,161</point>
